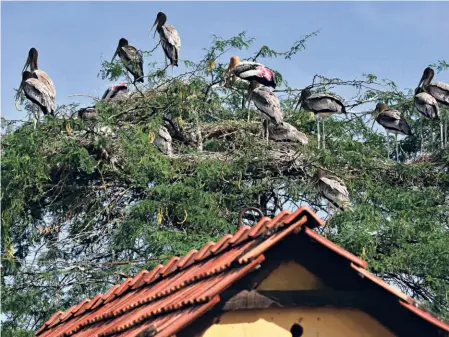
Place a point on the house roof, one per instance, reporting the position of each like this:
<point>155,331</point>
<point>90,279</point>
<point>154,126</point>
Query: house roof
<point>164,300</point>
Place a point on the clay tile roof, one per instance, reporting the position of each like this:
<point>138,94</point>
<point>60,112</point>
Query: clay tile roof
<point>163,301</point>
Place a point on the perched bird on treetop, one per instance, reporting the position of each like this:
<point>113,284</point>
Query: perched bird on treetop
<point>250,71</point>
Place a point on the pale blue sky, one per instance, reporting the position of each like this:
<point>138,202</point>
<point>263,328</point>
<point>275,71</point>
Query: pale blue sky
<point>390,39</point>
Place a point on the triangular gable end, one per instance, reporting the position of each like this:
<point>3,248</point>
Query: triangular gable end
<point>187,294</point>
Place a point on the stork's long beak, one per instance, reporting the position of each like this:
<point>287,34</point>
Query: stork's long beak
<point>26,64</point>
<point>154,25</point>
<point>421,81</point>
<point>298,105</point>
<point>115,54</point>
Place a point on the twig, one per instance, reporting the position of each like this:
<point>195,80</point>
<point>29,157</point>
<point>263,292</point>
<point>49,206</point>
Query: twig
<point>94,98</point>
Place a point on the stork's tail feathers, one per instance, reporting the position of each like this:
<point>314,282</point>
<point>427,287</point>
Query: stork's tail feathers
<point>405,128</point>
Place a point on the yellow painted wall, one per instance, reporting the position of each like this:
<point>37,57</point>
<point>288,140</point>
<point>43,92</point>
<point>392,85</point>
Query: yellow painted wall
<point>290,275</point>
<point>316,322</point>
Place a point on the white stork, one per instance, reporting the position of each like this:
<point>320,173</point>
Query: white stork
<point>162,140</point>
<point>170,40</point>
<point>322,105</point>
<point>439,90</point>
<point>267,103</point>
<point>286,132</point>
<point>250,71</point>
<point>115,92</point>
<point>131,58</point>
<point>392,121</point>
<point>88,113</point>
<point>333,190</point>
<point>42,76</point>
<point>38,93</point>
<point>427,105</point>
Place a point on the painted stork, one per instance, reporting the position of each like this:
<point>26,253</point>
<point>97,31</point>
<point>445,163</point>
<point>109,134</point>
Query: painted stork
<point>322,105</point>
<point>38,93</point>
<point>250,71</point>
<point>42,76</point>
<point>286,132</point>
<point>170,40</point>
<point>427,105</point>
<point>162,140</point>
<point>392,121</point>
<point>439,90</point>
<point>267,103</point>
<point>115,92</point>
<point>131,58</point>
<point>333,190</point>
<point>88,113</point>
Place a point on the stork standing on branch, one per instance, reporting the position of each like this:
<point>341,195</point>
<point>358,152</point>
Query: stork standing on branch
<point>250,71</point>
<point>333,190</point>
<point>42,77</point>
<point>38,93</point>
<point>322,105</point>
<point>268,105</point>
<point>440,91</point>
<point>131,58</point>
<point>170,40</point>
<point>392,121</point>
<point>427,105</point>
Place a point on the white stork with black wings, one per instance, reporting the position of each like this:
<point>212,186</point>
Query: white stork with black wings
<point>427,105</point>
<point>267,103</point>
<point>322,105</point>
<point>170,40</point>
<point>333,189</point>
<point>115,92</point>
<point>250,71</point>
<point>439,90</point>
<point>42,76</point>
<point>38,93</point>
<point>131,58</point>
<point>392,122</point>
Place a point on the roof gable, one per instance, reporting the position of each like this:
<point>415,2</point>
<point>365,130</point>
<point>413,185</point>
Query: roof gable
<point>163,301</point>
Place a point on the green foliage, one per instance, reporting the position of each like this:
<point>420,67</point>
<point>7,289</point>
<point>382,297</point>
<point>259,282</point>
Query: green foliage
<point>85,206</point>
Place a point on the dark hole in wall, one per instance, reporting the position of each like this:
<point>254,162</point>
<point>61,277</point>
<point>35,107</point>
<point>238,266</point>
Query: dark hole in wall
<point>296,330</point>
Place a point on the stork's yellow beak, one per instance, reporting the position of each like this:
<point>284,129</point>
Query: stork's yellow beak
<point>69,129</point>
<point>311,116</point>
<point>151,137</point>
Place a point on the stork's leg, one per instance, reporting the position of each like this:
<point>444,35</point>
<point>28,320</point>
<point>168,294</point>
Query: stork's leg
<point>421,134</point>
<point>397,148</point>
<point>445,134</point>
<point>432,138</point>
<point>324,135</point>
<point>388,145</point>
<point>266,130</point>
<point>172,71</point>
<point>33,112</point>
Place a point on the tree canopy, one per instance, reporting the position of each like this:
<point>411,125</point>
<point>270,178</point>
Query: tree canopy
<point>86,203</point>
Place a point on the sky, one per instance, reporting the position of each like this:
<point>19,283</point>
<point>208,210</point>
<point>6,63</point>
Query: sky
<point>395,40</point>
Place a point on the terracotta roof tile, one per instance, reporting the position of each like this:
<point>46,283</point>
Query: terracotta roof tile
<point>425,315</point>
<point>162,301</point>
